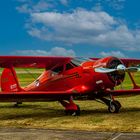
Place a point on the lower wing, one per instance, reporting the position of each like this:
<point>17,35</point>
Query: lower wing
<point>42,95</point>
<point>130,92</point>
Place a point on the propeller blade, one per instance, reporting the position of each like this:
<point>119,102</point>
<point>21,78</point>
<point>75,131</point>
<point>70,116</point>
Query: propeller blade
<point>120,68</point>
<point>138,69</point>
<point>132,69</point>
<point>104,70</point>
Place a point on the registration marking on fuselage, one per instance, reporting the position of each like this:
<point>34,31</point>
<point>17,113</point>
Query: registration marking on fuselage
<point>64,77</point>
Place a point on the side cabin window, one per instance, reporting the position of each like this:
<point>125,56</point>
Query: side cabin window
<point>58,69</point>
<point>69,66</point>
<point>79,60</point>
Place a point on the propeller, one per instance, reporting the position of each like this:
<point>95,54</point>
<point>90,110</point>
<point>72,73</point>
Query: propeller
<point>120,68</point>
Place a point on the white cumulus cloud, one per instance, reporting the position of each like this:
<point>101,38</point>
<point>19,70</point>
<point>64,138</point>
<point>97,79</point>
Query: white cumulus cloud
<point>112,53</point>
<point>64,2</point>
<point>30,6</point>
<point>116,4</point>
<point>83,26</point>
<point>56,51</point>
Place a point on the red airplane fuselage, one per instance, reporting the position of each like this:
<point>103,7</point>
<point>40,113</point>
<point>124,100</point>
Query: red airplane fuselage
<point>79,77</point>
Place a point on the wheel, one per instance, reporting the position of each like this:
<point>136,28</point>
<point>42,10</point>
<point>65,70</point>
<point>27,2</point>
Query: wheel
<point>77,112</point>
<point>114,107</point>
<point>118,103</point>
<point>73,112</point>
<point>17,103</point>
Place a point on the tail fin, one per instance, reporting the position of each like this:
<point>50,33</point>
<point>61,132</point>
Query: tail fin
<point>9,81</point>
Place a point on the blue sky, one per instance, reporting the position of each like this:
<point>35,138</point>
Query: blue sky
<point>88,28</point>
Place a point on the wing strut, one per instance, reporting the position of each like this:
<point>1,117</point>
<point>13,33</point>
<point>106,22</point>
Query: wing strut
<point>135,86</point>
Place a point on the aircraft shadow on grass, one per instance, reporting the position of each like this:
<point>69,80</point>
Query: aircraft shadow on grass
<point>104,111</point>
<point>37,112</point>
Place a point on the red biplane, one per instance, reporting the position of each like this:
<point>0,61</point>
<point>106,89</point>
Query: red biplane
<point>67,78</point>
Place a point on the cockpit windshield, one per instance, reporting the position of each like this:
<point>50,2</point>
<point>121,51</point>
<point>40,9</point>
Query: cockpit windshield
<point>79,60</point>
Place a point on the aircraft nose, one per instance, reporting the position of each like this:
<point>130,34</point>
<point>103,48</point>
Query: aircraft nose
<point>121,67</point>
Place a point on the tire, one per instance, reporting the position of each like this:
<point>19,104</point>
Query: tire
<point>17,104</point>
<point>118,104</point>
<point>114,107</point>
<point>77,112</point>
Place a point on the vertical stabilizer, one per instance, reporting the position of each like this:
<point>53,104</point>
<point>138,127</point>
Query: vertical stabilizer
<point>9,81</point>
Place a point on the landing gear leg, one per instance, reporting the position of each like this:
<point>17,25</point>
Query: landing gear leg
<point>113,105</point>
<point>17,104</point>
<point>70,107</point>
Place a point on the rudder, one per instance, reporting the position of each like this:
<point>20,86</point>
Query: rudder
<point>9,81</point>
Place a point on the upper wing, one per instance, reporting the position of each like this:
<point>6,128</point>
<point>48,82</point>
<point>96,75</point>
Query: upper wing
<point>32,61</point>
<point>46,62</point>
<point>127,61</point>
<point>130,62</point>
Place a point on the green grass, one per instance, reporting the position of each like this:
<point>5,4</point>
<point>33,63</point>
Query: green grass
<point>26,78</point>
<point>94,116</point>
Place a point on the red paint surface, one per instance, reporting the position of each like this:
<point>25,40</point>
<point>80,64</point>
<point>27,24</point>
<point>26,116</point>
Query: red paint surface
<point>78,81</point>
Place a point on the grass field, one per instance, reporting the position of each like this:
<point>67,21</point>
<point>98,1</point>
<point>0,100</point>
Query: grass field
<point>94,116</point>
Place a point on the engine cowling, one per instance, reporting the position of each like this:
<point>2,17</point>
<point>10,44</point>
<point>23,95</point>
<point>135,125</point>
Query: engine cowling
<point>111,62</point>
